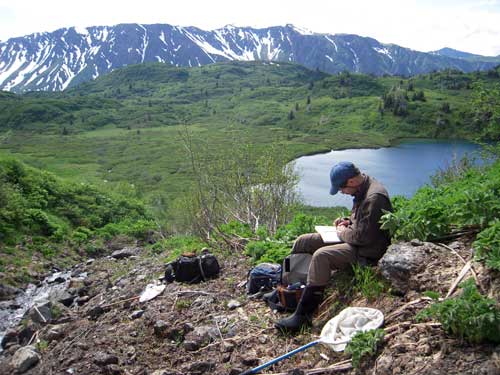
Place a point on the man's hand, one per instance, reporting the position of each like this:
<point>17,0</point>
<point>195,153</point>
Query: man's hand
<point>341,222</point>
<point>341,228</point>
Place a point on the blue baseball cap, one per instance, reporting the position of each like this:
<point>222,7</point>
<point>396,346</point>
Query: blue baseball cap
<point>340,173</point>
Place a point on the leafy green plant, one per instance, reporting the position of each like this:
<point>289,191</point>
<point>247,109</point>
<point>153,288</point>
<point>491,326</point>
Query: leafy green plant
<point>487,246</point>
<point>42,345</point>
<point>367,282</point>
<point>471,316</point>
<point>467,202</point>
<point>364,345</point>
<point>267,251</point>
<point>237,228</point>
<point>300,224</point>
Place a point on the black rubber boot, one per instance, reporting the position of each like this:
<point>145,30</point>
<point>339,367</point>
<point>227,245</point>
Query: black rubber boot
<point>309,302</point>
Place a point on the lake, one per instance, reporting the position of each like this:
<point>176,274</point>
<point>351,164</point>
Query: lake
<point>402,168</point>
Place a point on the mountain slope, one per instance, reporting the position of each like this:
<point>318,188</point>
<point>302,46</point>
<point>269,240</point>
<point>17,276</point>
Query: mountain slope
<point>66,57</point>
<point>453,53</point>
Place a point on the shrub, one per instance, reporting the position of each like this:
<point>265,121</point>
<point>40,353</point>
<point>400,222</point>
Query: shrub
<point>267,251</point>
<point>487,246</point>
<point>364,344</point>
<point>300,224</point>
<point>471,316</point>
<point>80,235</point>
<point>467,202</point>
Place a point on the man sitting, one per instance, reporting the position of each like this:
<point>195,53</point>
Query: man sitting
<point>363,239</point>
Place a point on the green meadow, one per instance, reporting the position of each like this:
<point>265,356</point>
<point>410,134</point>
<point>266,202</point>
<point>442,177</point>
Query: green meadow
<point>127,127</point>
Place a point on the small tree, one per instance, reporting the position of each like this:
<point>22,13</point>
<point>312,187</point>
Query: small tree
<point>254,188</point>
<point>291,115</point>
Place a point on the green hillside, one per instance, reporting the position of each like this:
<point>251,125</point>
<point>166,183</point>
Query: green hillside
<point>43,214</point>
<point>125,126</point>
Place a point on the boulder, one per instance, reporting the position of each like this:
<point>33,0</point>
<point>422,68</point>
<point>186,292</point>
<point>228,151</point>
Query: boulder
<point>401,261</point>
<point>24,358</point>
<point>41,313</point>
<point>125,252</point>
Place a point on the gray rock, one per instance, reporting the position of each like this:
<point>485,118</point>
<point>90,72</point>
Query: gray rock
<point>95,312</point>
<point>65,298</point>
<point>125,252</point>
<point>10,338</point>
<point>199,337</point>
<point>7,292</point>
<point>82,300</point>
<point>202,367</point>
<point>24,358</point>
<point>41,313</point>
<point>55,333</point>
<point>160,328</point>
<point>250,359</point>
<point>401,261</point>
<point>136,314</point>
<point>104,359</point>
<point>233,304</point>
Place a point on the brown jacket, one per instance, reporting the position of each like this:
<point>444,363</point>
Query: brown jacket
<point>364,231</point>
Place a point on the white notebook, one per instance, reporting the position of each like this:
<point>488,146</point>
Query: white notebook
<point>328,233</point>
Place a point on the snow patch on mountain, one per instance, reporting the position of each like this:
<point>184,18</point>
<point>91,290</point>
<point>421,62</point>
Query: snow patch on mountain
<point>383,51</point>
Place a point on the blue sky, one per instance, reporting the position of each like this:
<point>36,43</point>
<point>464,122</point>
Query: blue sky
<point>425,25</point>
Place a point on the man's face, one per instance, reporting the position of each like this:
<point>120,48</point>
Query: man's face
<point>348,188</point>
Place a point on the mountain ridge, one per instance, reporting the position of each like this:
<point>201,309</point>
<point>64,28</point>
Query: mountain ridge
<point>54,61</point>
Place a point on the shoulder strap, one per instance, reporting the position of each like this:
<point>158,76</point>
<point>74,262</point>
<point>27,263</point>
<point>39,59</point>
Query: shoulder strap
<point>200,265</point>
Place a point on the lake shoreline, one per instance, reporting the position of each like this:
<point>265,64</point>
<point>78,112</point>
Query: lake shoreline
<point>391,143</point>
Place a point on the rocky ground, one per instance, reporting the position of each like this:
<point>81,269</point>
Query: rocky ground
<point>212,327</point>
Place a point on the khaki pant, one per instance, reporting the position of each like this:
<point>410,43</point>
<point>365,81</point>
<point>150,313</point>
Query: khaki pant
<point>325,257</point>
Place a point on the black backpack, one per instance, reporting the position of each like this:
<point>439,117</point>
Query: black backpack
<point>192,269</point>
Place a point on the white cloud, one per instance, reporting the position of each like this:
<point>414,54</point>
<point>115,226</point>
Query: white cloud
<point>468,25</point>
